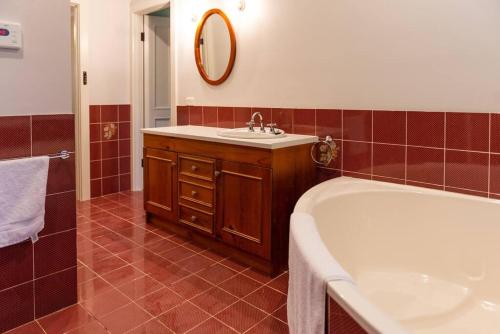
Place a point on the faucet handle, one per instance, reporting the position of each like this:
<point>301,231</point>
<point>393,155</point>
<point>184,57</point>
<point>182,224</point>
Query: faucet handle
<point>250,125</point>
<point>272,127</point>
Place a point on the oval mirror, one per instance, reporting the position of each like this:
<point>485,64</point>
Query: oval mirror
<point>215,47</point>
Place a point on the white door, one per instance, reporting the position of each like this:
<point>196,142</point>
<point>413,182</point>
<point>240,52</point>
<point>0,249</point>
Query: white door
<point>157,71</point>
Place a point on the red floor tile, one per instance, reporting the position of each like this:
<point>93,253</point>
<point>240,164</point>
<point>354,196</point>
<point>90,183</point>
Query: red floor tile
<point>29,328</point>
<point>217,273</point>
<point>214,300</point>
<point>122,275</point>
<point>125,319</point>
<point>160,301</point>
<point>151,327</point>
<point>241,316</point>
<point>266,299</point>
<point>93,327</point>
<point>183,318</point>
<point>212,326</point>
<point>240,286</point>
<point>105,303</point>
<point>65,320</point>
<point>280,283</point>
<point>270,325</point>
<point>190,286</point>
<point>140,287</point>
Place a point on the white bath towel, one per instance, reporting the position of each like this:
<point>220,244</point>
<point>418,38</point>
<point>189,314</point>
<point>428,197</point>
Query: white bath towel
<point>311,268</point>
<point>23,184</point>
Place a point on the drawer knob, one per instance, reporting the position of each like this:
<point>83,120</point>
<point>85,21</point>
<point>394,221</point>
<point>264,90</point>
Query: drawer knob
<point>194,218</point>
<point>194,193</point>
<point>194,168</point>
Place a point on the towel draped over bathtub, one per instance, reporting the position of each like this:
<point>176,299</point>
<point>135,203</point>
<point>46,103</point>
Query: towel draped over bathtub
<point>23,184</point>
<point>311,268</point>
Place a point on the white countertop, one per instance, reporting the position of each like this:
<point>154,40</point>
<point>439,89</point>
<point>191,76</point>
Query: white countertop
<point>210,134</point>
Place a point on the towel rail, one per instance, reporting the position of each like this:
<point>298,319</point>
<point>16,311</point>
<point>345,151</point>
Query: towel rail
<point>61,155</point>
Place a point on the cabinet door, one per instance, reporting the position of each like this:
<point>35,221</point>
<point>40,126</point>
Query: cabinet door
<point>244,207</point>
<point>160,183</point>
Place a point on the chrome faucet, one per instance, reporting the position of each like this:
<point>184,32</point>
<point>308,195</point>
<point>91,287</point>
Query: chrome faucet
<point>252,122</point>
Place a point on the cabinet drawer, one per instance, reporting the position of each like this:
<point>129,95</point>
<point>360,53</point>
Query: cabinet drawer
<point>197,167</point>
<point>195,218</point>
<point>196,193</point>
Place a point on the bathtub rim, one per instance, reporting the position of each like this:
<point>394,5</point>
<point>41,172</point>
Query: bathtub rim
<point>346,294</point>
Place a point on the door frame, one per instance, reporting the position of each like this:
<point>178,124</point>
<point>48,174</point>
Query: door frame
<point>82,136</point>
<point>139,8</point>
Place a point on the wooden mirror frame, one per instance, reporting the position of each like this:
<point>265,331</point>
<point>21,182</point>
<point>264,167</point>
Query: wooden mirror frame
<point>197,50</point>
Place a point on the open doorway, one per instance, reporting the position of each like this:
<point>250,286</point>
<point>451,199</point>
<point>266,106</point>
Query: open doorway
<point>153,73</point>
<point>157,105</point>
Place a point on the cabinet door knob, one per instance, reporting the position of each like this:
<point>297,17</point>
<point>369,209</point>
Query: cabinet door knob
<point>194,193</point>
<point>217,173</point>
<point>194,218</point>
<point>194,168</point>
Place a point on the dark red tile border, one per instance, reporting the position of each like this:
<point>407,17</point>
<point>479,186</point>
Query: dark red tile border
<point>15,137</point>
<point>393,146</point>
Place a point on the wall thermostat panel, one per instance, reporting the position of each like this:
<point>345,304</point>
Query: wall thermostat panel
<point>10,35</point>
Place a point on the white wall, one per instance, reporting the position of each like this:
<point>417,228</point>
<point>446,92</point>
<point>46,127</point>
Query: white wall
<point>109,51</point>
<point>387,54</point>
<point>38,79</point>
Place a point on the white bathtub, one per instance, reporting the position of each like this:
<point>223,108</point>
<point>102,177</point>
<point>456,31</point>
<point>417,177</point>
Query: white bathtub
<point>423,261</point>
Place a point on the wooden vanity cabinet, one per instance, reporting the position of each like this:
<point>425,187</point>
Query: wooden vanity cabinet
<point>160,183</point>
<point>236,200</point>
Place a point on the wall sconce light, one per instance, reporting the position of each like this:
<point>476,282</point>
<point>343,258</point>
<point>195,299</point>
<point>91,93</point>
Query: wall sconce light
<point>241,4</point>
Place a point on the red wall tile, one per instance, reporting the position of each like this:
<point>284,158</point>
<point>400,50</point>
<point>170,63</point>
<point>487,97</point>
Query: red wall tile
<point>357,157</point>
<point>340,322</point>
<point>468,170</point>
<point>329,123</point>
<point>425,128</point>
<point>182,115</point>
<point>52,134</point>
<point>495,133</point>
<point>15,137</point>
<point>304,121</point>
<point>125,182</point>
<point>425,165</point>
<point>495,173</point>
<point>95,114</point>
<point>466,131</point>
<point>195,115</point>
<point>242,116</point>
<point>55,291</point>
<point>49,134</point>
<point>225,117</point>
<point>124,113</point>
<point>110,156</point>
<point>109,113</point>
<point>110,185</point>
<point>209,117</point>
<point>16,306</point>
<point>55,252</point>
<point>357,125</point>
<point>389,160</point>
<point>283,118</point>
<point>389,127</point>
<point>60,212</point>
<point>416,155</point>
<point>16,263</point>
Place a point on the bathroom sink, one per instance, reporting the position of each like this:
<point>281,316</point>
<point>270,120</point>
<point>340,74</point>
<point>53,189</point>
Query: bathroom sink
<point>244,133</point>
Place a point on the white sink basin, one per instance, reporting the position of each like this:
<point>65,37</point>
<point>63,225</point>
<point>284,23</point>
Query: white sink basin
<point>244,133</point>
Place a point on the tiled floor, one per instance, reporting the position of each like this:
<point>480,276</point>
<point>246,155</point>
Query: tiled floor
<point>134,278</point>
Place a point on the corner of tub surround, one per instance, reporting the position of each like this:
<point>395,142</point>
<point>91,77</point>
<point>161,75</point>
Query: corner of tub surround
<point>36,282</point>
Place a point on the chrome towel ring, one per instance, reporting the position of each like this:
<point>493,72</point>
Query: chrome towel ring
<point>324,151</point>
